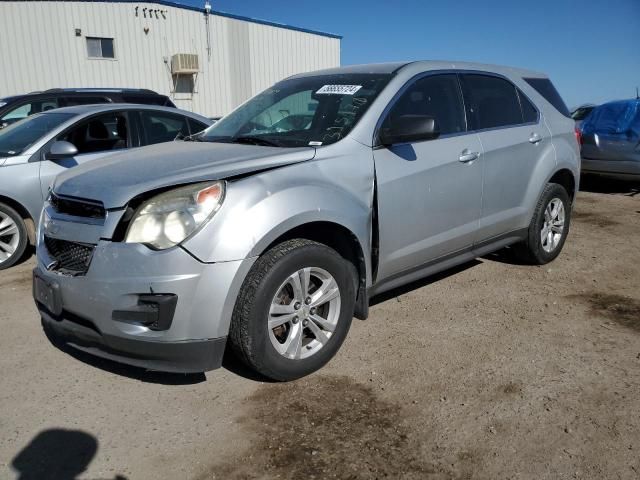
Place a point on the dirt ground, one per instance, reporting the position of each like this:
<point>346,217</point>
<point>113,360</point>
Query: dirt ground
<point>492,371</point>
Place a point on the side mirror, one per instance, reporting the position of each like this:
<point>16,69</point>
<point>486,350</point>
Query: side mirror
<point>409,128</point>
<point>61,150</point>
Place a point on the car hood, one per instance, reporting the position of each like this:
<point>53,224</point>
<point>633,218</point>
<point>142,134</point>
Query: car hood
<point>116,179</point>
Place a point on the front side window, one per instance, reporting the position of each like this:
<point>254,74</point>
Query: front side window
<point>161,127</point>
<point>309,111</point>
<point>27,109</point>
<point>491,102</point>
<point>98,47</point>
<point>18,137</point>
<point>99,134</point>
<point>437,96</point>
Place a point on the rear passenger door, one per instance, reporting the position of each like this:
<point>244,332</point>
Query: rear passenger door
<point>514,139</point>
<point>429,192</point>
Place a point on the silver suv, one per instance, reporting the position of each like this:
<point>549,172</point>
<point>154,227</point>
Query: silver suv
<point>272,229</point>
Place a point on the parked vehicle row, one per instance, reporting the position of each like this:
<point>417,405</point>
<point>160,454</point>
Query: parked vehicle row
<point>17,107</point>
<point>268,234</point>
<point>36,149</point>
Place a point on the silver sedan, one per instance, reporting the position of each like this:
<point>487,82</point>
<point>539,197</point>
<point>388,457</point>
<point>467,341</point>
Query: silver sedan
<point>34,150</point>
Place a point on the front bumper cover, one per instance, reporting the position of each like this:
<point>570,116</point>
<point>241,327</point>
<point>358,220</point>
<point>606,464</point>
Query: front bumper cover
<point>189,356</point>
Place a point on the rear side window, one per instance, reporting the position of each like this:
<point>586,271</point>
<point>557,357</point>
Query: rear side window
<point>196,126</point>
<point>529,112</point>
<point>491,102</point>
<point>545,88</point>
<point>161,127</point>
<point>437,96</point>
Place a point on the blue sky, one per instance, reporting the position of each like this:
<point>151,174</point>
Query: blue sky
<point>590,48</point>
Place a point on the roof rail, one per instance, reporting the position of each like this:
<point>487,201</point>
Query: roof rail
<point>105,89</point>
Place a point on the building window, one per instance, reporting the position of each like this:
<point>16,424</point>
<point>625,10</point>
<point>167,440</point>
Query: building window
<point>100,47</point>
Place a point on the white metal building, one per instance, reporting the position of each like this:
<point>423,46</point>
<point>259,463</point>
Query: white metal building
<point>206,62</point>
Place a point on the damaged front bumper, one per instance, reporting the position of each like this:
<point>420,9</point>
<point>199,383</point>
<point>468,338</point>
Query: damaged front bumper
<point>161,310</point>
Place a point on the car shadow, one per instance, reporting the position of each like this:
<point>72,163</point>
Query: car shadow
<point>423,282</point>
<point>129,371</point>
<point>607,185</point>
<point>234,365</point>
<point>57,454</point>
<point>505,255</point>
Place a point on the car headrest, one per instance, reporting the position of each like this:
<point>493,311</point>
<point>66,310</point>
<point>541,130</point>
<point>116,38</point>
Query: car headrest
<point>97,130</point>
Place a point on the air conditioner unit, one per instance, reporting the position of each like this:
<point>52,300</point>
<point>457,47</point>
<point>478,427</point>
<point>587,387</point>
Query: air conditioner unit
<point>184,63</point>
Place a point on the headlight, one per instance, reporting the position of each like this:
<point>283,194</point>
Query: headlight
<point>171,217</point>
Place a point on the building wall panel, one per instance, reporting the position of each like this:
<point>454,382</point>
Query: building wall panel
<point>40,50</point>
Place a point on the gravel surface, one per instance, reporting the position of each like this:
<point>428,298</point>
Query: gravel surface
<point>491,371</point>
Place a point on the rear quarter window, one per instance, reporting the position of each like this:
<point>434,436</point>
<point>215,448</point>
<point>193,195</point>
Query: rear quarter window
<point>545,88</point>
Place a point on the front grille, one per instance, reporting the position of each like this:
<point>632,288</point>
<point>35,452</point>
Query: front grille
<point>77,207</point>
<point>71,257</point>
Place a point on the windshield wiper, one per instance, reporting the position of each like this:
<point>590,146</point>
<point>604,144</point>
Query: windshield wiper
<point>254,141</point>
<point>196,137</point>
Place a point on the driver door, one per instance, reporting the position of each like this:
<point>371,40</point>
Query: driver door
<point>429,192</point>
<point>94,138</point>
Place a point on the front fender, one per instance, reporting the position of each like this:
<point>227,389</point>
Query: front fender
<point>259,209</point>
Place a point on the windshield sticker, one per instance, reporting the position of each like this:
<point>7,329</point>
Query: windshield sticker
<point>339,89</point>
<point>315,144</point>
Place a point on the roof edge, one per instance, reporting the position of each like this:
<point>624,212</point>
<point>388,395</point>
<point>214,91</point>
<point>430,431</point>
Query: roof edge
<point>218,13</point>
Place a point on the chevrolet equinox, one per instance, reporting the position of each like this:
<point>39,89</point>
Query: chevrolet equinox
<point>270,230</point>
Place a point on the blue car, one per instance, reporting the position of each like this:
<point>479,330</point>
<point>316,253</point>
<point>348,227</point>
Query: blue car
<point>611,140</point>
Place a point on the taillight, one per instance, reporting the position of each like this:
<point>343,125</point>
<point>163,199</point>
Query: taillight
<point>578,136</point>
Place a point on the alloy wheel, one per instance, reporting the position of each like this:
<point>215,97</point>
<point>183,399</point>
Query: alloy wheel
<point>9,237</point>
<point>553,225</point>
<point>304,313</point>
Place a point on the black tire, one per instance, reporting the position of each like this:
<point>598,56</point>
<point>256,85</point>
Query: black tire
<point>23,238</point>
<point>249,334</point>
<point>531,250</point>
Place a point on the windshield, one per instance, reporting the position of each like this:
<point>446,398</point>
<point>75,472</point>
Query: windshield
<point>581,113</point>
<point>312,111</point>
<point>16,138</point>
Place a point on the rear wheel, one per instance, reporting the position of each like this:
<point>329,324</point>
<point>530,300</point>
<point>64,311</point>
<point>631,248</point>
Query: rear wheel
<point>549,227</point>
<point>13,237</point>
<point>294,309</point>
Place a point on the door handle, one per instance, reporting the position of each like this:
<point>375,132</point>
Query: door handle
<point>535,138</point>
<point>468,156</point>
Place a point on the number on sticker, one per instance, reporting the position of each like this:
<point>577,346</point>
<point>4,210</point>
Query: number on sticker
<point>339,89</point>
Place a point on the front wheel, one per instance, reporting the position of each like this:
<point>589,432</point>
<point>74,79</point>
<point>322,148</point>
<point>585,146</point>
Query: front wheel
<point>549,227</point>
<point>13,237</point>
<point>294,309</point>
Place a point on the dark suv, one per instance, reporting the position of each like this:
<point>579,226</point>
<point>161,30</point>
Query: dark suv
<point>18,107</point>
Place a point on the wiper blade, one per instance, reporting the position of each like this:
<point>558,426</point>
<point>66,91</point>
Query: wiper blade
<point>254,141</point>
<point>196,137</point>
